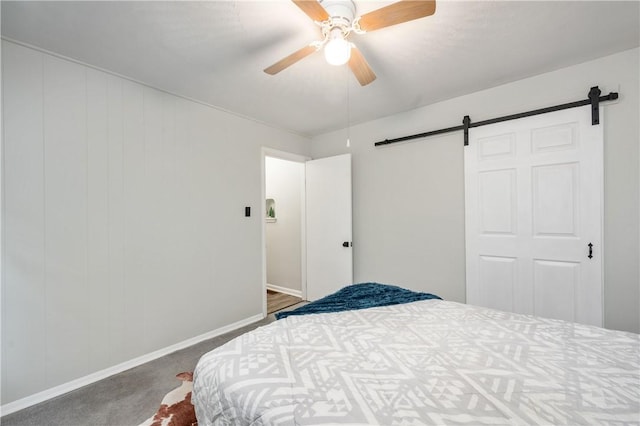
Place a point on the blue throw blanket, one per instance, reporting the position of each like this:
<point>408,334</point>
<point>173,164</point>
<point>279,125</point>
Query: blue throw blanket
<point>359,296</point>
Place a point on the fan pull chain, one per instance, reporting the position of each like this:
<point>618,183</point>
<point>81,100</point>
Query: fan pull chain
<point>348,111</point>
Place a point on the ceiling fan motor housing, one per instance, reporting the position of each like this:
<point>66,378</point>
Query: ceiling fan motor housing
<point>341,13</point>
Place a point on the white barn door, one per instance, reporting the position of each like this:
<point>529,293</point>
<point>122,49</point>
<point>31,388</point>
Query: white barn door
<point>533,195</point>
<point>329,226</point>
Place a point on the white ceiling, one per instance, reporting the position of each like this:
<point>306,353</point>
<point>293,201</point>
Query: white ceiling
<point>215,51</point>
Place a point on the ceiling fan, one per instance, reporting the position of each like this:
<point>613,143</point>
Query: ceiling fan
<point>337,19</point>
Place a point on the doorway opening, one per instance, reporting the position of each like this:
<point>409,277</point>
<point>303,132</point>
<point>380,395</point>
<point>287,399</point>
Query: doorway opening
<point>284,240</point>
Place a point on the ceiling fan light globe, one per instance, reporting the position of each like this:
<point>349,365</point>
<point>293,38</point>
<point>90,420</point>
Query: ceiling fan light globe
<point>337,51</point>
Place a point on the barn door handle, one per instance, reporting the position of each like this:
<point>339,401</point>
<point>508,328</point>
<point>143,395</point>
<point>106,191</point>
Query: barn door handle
<point>590,251</point>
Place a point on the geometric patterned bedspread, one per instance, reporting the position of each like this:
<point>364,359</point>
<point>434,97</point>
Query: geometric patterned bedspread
<point>421,363</point>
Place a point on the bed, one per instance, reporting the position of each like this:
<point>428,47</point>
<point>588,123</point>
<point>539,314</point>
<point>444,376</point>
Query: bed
<point>422,362</point>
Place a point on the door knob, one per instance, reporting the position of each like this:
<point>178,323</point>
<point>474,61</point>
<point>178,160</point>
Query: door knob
<point>346,244</point>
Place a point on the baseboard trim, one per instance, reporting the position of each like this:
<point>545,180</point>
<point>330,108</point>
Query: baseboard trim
<point>290,292</point>
<point>47,394</point>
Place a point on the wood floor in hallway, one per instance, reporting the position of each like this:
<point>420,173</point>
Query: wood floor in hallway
<point>277,301</point>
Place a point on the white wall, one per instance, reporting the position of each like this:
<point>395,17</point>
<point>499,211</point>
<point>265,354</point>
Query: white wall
<point>409,197</point>
<point>284,183</point>
<point>123,217</point>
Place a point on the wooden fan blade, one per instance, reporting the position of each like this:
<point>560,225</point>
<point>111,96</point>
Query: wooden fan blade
<point>397,13</point>
<point>313,9</point>
<point>360,67</point>
<point>290,60</point>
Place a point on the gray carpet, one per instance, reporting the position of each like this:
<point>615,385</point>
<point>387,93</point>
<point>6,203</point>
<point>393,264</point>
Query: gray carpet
<point>127,398</point>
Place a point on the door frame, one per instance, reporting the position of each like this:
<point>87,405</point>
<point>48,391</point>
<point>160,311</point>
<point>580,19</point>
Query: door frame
<point>283,155</point>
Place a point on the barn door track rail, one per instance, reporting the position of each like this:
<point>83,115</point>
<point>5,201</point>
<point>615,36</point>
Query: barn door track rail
<point>593,99</point>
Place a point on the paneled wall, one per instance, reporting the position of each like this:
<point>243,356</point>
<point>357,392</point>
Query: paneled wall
<point>123,218</point>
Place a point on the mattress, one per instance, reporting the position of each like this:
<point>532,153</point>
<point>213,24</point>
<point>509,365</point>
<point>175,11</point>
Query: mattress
<point>426,362</point>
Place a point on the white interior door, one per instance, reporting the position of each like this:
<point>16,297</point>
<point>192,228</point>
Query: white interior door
<point>329,253</point>
<point>533,195</point>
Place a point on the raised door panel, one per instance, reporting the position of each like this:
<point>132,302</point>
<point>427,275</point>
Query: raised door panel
<point>497,147</point>
<point>497,202</point>
<point>555,200</point>
<point>560,137</point>
<point>555,285</point>
<point>497,277</point>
